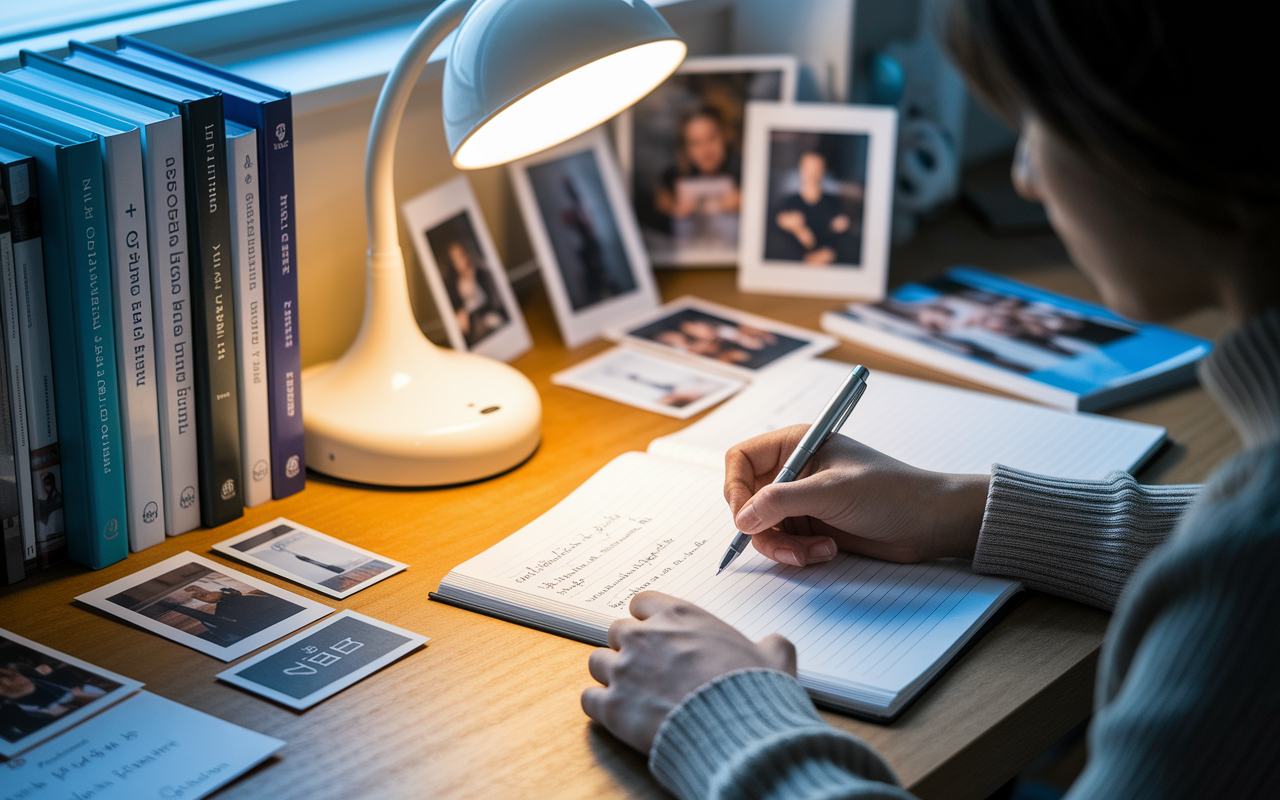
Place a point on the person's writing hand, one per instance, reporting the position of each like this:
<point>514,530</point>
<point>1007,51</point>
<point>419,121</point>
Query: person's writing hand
<point>793,222</point>
<point>663,652</point>
<point>851,498</point>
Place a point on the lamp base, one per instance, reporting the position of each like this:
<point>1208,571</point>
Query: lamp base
<point>425,417</point>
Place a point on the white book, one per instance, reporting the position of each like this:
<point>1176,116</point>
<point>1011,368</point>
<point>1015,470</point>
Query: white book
<point>251,339</point>
<point>171,303</point>
<point>37,372</point>
<point>135,337</point>
<point>870,635</point>
<point>17,405</point>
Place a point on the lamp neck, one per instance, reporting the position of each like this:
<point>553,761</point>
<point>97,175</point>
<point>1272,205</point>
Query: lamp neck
<point>380,200</point>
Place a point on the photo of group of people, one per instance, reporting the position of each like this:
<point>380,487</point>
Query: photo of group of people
<point>701,334</point>
<point>682,145</point>
<point>1018,334</point>
<point>43,691</point>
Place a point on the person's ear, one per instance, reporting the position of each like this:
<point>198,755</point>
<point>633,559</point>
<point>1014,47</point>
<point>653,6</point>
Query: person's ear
<point>1023,172</point>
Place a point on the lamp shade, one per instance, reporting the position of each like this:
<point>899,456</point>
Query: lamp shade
<point>525,75</point>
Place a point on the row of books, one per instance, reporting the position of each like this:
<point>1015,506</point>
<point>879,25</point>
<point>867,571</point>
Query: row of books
<point>151,358</point>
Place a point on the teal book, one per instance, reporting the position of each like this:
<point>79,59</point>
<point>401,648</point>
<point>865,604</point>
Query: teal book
<point>69,176</point>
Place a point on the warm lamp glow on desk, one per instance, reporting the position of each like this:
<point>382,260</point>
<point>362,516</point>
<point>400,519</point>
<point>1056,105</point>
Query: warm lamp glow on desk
<point>522,76</point>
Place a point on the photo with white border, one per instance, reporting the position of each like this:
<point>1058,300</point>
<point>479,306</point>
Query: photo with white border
<point>584,236</point>
<point>323,660</point>
<point>44,692</point>
<point>655,384</point>
<point>206,606</point>
<point>817,197</point>
<point>461,266</point>
<point>309,558</point>
<point>720,338</point>
<point>681,148</point>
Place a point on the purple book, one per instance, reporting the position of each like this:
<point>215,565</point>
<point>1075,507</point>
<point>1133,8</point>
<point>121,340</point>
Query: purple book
<point>270,111</point>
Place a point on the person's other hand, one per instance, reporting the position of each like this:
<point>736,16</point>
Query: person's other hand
<point>667,649</point>
<point>840,223</point>
<point>849,497</point>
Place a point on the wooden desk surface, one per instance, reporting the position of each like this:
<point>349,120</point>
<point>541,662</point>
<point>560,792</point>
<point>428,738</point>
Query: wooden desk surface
<point>490,709</point>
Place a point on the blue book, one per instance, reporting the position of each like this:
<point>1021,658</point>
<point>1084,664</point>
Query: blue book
<point>1029,342</point>
<point>73,217</point>
<point>270,112</point>
<point>165,172</point>
<point>130,260</point>
<point>213,309</point>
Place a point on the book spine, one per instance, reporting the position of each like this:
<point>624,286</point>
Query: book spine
<point>134,338</point>
<point>213,323</point>
<point>37,363</point>
<point>88,406</point>
<point>171,303</point>
<point>9,328</point>
<point>12,566</point>
<point>284,359</point>
<point>251,344</point>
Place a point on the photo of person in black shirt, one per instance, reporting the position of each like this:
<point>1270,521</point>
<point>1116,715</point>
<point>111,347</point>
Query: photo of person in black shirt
<point>36,689</point>
<point>816,184</point>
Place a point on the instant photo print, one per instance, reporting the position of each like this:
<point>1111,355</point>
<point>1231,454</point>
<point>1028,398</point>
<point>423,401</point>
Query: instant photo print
<point>817,200</point>
<point>584,235</point>
<point>44,692</point>
<point>206,606</point>
<point>309,558</point>
<point>719,338</point>
<point>681,150</point>
<point>461,266</point>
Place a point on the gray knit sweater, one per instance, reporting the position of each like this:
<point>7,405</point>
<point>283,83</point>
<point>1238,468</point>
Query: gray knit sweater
<point>1188,698</point>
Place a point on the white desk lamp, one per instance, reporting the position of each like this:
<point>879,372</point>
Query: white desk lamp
<point>522,76</point>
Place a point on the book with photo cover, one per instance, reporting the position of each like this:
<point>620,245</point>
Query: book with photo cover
<point>871,635</point>
<point>1030,342</point>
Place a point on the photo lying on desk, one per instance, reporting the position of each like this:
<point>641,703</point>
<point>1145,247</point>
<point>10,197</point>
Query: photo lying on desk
<point>323,660</point>
<point>310,558</point>
<point>681,150</point>
<point>205,606</point>
<point>1020,334</point>
<point>816,199</point>
<point>584,235</point>
<point>44,692</point>
<point>644,381</point>
<point>461,266</point>
<point>719,337</point>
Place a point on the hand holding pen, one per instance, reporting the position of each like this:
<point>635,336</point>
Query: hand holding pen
<point>851,498</point>
<point>829,421</point>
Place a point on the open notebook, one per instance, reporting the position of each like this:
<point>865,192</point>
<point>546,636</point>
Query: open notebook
<point>870,635</point>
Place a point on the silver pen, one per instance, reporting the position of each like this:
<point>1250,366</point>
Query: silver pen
<point>829,421</point>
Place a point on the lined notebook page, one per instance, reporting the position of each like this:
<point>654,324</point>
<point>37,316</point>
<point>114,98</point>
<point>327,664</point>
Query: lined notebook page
<point>924,424</point>
<point>863,629</point>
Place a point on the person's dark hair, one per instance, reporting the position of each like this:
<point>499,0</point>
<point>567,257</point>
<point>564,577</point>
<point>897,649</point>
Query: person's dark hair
<point>1169,96</point>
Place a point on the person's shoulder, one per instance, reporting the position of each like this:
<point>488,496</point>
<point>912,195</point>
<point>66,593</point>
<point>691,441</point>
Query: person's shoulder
<point>1239,506</point>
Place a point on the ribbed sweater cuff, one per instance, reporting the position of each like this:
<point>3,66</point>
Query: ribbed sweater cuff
<point>755,734</point>
<point>1073,538</point>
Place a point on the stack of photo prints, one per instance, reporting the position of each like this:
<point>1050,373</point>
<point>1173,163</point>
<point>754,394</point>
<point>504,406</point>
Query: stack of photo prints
<point>719,166</point>
<point>71,729</point>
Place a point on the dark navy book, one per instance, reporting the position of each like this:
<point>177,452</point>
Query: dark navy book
<point>270,111</point>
